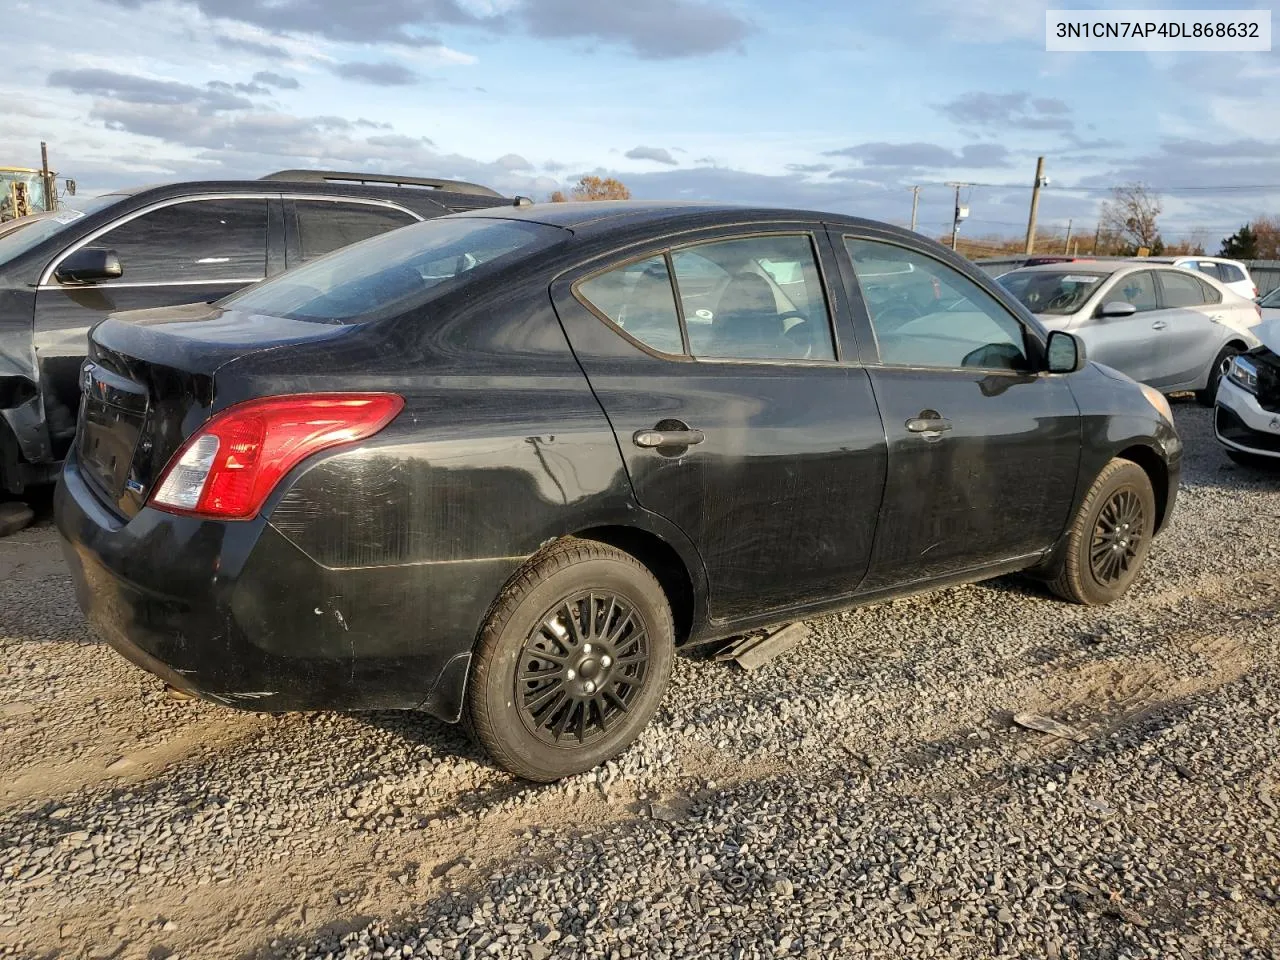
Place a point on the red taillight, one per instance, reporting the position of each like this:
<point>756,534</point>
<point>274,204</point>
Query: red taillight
<point>229,468</point>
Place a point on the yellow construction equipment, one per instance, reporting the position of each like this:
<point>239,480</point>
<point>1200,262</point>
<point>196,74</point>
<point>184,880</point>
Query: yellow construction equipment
<point>26,190</point>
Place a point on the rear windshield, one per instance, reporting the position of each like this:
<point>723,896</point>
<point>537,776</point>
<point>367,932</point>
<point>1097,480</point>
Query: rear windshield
<point>1052,293</point>
<point>390,273</point>
<point>40,229</point>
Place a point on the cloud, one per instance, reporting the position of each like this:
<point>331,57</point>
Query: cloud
<point>810,167</point>
<point>920,156</point>
<point>513,161</point>
<point>271,51</point>
<point>270,79</point>
<point>383,74</point>
<point>1008,110</point>
<point>651,29</point>
<point>131,88</point>
<point>656,154</point>
<point>255,89</point>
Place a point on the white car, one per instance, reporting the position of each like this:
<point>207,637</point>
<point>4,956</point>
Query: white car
<point>1247,414</point>
<point>1164,326</point>
<point>1232,274</point>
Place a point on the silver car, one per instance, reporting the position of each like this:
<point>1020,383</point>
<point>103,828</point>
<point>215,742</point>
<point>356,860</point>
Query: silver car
<point>1164,326</point>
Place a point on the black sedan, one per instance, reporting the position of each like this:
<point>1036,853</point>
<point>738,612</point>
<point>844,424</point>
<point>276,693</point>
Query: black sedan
<point>499,466</point>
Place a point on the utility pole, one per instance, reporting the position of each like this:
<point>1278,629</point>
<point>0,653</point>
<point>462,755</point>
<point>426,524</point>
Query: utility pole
<point>1066,248</point>
<point>960,213</point>
<point>915,205</point>
<point>50,192</point>
<point>1035,204</point>
<point>1097,236</point>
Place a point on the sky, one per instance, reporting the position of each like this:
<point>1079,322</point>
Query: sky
<point>820,104</point>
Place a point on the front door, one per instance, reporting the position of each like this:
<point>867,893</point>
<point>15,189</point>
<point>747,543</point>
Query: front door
<point>982,450</point>
<point>1130,344</point>
<point>734,415</point>
<point>191,251</point>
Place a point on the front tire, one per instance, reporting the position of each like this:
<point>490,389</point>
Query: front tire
<point>1209,394</point>
<point>1110,537</point>
<point>572,662</point>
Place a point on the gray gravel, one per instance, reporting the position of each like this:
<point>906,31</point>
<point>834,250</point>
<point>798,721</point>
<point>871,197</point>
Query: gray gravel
<point>865,795</point>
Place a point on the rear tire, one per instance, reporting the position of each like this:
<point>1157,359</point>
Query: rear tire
<point>1209,394</point>
<point>572,662</point>
<point>1110,537</point>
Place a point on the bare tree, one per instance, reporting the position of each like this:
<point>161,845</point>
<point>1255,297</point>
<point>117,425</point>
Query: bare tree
<point>594,188</point>
<point>1131,215</point>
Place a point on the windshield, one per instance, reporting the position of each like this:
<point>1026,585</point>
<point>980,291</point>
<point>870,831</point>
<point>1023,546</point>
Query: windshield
<point>387,273</point>
<point>1272,299</point>
<point>20,240</point>
<point>1051,293</point>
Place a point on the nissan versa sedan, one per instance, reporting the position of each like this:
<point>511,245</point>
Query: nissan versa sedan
<point>499,466</point>
<point>1162,325</point>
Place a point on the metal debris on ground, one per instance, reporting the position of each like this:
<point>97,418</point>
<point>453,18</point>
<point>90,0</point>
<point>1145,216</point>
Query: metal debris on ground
<point>1043,724</point>
<point>755,650</point>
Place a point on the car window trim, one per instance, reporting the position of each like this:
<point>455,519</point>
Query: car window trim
<point>1162,295</point>
<point>875,337</point>
<point>47,274</point>
<point>293,224</point>
<point>665,251</point>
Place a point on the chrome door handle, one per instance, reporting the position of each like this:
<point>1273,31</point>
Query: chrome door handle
<point>1159,325</point>
<point>928,425</point>
<point>650,439</point>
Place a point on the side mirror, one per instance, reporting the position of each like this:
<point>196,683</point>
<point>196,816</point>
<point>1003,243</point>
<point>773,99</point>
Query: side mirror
<point>1065,352</point>
<point>71,187</point>
<point>1117,308</point>
<point>89,265</point>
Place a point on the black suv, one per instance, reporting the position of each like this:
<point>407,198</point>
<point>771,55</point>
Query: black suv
<point>164,245</point>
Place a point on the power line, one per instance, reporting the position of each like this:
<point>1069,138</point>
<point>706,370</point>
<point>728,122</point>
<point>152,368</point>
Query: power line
<point>1206,188</point>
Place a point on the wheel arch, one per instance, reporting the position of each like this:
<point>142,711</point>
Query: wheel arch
<point>666,564</point>
<point>1157,472</point>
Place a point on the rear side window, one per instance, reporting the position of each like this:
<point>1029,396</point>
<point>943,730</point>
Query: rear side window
<point>1230,273</point>
<point>1211,293</point>
<point>327,225</point>
<point>928,314</point>
<point>754,298</point>
<point>1181,289</point>
<point>638,298</point>
<point>397,271</point>
<point>196,240</point>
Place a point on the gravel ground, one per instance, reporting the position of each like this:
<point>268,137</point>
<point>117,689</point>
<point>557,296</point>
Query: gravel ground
<point>864,795</point>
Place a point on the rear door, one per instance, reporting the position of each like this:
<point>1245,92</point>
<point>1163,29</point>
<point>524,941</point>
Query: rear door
<point>319,225</point>
<point>735,414</point>
<point>177,251</point>
<point>1129,344</point>
<point>983,449</point>
<point>1190,338</point>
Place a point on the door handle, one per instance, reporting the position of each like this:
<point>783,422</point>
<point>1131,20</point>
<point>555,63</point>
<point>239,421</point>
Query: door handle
<point>928,425</point>
<point>650,439</point>
<point>1159,325</point>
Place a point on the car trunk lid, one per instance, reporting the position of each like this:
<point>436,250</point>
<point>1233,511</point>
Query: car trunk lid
<point>148,385</point>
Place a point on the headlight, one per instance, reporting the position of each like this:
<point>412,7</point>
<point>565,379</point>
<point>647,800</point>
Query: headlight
<point>1243,374</point>
<point>1158,400</point>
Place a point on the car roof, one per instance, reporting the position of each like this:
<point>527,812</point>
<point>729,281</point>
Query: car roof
<point>591,216</point>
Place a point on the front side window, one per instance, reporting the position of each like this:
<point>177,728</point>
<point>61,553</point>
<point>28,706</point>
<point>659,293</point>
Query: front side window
<point>396,271</point>
<point>196,240</point>
<point>327,225</point>
<point>1138,289</point>
<point>754,298</point>
<point>1181,289</point>
<point>927,314</point>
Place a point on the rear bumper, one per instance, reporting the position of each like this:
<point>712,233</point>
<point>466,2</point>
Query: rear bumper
<point>235,613</point>
<point>1240,423</point>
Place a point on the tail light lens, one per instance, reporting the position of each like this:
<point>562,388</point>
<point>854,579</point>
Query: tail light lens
<point>227,470</point>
